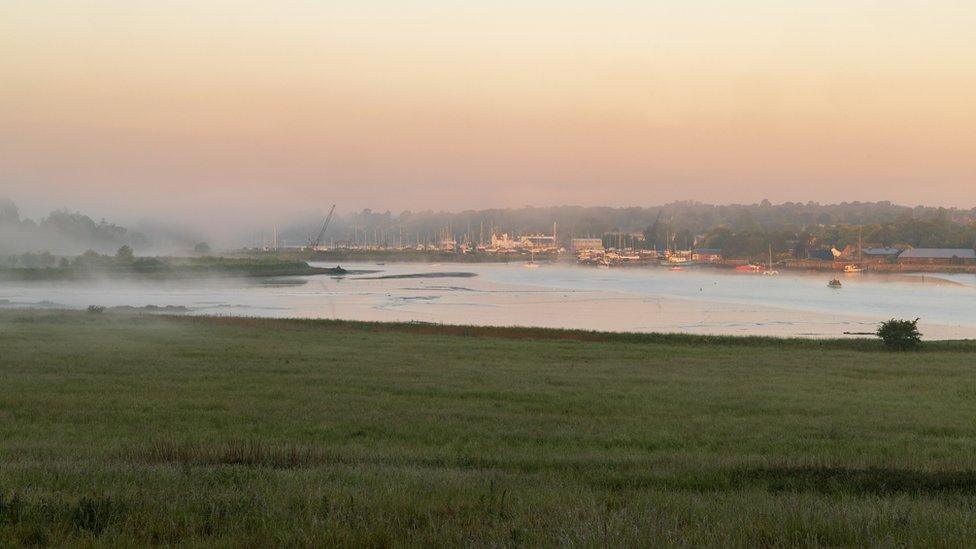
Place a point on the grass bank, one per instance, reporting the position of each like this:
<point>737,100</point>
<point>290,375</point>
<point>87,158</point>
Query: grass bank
<point>126,429</point>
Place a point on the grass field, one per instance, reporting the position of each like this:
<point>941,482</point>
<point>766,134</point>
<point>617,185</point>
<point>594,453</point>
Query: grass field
<point>122,430</point>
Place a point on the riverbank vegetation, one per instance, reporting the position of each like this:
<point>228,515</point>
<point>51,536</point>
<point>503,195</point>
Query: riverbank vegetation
<point>125,429</point>
<point>742,231</point>
<point>90,264</point>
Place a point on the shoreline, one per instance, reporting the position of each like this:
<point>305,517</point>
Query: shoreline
<point>506,331</point>
<point>864,341</point>
<point>413,256</point>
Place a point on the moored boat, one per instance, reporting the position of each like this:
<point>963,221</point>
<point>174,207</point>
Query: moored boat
<point>769,270</point>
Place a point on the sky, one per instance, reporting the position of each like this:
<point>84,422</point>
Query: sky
<point>233,109</point>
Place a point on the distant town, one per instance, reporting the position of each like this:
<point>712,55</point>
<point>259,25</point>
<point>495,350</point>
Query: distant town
<point>630,249</point>
<point>759,238</point>
<point>762,237</point>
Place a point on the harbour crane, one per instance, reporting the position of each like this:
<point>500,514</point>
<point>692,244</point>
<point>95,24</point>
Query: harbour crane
<point>312,244</point>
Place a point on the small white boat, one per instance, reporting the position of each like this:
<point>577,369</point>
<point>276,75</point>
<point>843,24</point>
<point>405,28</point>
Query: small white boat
<point>531,264</point>
<point>849,269</point>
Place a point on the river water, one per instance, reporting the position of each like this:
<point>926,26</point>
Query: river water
<point>706,301</point>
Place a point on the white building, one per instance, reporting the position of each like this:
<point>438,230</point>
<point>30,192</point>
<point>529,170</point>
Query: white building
<point>586,244</point>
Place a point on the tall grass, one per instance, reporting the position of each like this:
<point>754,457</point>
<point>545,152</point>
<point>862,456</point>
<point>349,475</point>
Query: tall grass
<point>123,430</point>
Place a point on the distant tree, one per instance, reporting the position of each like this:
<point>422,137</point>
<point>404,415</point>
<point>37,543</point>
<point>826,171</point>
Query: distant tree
<point>89,259</point>
<point>46,259</point>
<point>8,210</point>
<point>124,254</point>
<point>719,237</point>
<point>202,248</point>
<point>147,264</point>
<point>28,260</point>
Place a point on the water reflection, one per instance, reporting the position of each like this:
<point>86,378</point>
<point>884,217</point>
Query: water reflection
<point>637,299</point>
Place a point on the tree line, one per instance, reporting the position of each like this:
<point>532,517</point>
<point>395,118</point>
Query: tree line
<point>739,229</point>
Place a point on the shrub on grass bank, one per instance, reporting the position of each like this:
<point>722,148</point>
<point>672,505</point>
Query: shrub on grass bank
<point>900,335</point>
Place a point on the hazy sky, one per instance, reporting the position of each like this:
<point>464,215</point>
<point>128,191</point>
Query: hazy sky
<point>232,106</point>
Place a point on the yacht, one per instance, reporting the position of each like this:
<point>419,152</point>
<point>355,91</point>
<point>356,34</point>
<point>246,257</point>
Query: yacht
<point>770,271</point>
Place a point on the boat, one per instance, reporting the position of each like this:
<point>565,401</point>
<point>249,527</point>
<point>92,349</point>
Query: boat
<point>853,268</point>
<point>676,260</point>
<point>749,268</point>
<point>769,271</point>
<point>834,283</point>
<point>531,264</point>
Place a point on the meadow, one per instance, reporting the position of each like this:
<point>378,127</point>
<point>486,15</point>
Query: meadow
<point>120,429</point>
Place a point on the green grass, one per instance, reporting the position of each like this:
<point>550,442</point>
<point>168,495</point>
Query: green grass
<point>122,430</point>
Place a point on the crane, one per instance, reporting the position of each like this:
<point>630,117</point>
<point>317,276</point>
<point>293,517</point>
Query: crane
<point>318,240</point>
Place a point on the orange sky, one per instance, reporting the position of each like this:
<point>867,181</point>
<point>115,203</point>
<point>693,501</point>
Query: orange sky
<point>186,106</point>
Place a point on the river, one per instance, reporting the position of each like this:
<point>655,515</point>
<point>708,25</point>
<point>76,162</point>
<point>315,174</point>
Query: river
<point>704,301</point>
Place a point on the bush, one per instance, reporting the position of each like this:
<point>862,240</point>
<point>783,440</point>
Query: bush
<point>148,265</point>
<point>124,254</point>
<point>96,309</point>
<point>900,335</point>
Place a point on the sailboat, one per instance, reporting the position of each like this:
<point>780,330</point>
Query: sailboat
<point>531,264</point>
<point>853,268</point>
<point>769,270</point>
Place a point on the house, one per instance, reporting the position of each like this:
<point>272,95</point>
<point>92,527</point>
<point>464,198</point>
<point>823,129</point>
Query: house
<point>503,243</point>
<point>821,254</point>
<point>706,255</point>
<point>880,254</point>
<point>938,256</point>
<point>586,244</point>
<point>538,242</point>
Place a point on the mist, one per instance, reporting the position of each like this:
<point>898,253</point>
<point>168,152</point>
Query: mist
<point>73,230</point>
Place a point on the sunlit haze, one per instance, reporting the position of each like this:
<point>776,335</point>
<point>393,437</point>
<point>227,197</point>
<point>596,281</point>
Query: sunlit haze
<point>198,108</point>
